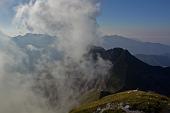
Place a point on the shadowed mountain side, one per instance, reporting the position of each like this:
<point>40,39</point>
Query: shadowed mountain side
<point>131,73</point>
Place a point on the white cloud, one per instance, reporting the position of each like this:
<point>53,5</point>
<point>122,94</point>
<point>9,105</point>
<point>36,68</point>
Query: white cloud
<point>73,21</point>
<point>15,86</point>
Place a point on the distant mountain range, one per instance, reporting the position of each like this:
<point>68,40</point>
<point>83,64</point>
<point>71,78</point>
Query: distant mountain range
<point>128,72</point>
<point>152,53</point>
<point>109,42</point>
<point>134,46</point>
<point>36,46</point>
<point>35,40</point>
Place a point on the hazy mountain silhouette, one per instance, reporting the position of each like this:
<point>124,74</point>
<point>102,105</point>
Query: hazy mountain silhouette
<point>134,46</point>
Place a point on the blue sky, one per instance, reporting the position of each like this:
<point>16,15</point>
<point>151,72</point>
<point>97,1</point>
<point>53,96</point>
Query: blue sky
<point>7,12</point>
<point>147,20</point>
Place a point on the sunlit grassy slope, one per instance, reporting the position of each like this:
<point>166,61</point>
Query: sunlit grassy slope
<point>143,102</point>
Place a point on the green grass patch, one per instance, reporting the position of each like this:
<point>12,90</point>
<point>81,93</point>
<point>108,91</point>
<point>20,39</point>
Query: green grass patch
<point>137,100</point>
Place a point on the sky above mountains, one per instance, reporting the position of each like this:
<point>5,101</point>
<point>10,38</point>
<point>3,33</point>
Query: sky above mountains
<point>147,20</point>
